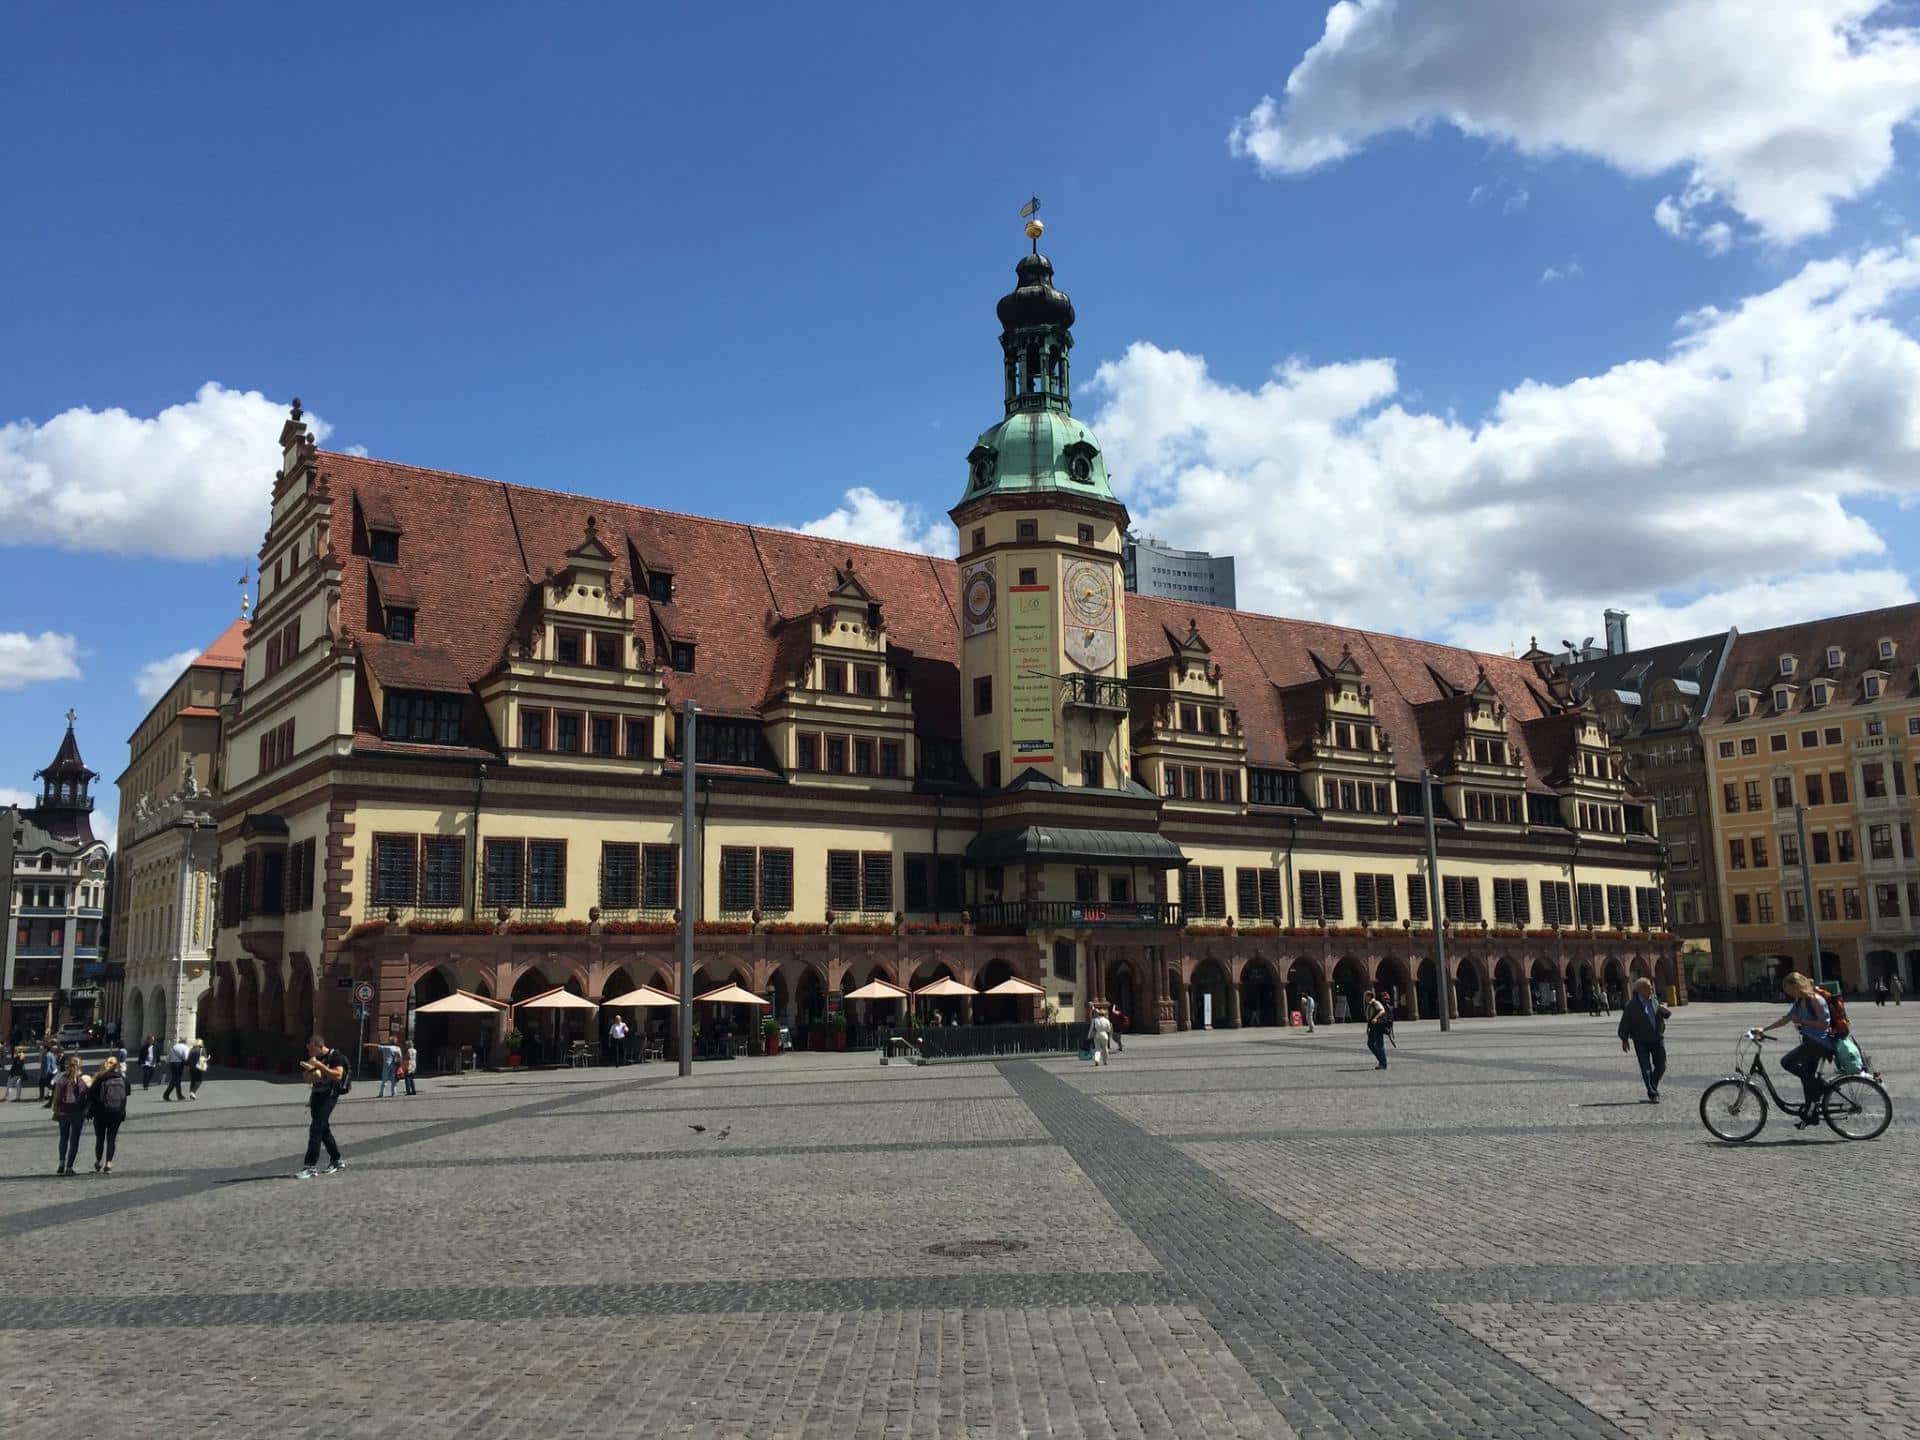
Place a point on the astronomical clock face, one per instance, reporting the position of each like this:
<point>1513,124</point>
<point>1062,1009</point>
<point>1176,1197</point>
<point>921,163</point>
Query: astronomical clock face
<point>979,597</point>
<point>1087,599</point>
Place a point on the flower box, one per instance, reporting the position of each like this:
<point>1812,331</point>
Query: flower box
<point>639,927</point>
<point>795,927</point>
<point>723,927</point>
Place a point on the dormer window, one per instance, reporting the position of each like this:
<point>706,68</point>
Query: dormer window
<point>384,546</point>
<point>606,651</point>
<point>1782,697</point>
<point>1873,687</point>
<point>866,679</point>
<point>1743,703</point>
<point>1836,657</point>
<point>833,676</point>
<point>660,588</point>
<point>1886,648</point>
<point>399,623</point>
<point>680,657</point>
<point>1822,692</point>
<point>566,647</point>
<point>1786,664</point>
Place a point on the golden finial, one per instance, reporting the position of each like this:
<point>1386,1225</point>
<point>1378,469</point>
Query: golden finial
<point>1035,227</point>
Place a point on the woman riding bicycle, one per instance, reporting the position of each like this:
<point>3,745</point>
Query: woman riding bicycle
<point>1814,1018</point>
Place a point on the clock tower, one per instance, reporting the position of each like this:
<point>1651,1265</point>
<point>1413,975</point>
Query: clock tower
<point>1043,647</point>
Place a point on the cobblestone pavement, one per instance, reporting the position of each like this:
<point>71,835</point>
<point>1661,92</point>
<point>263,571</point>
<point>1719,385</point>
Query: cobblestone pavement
<point>1235,1234</point>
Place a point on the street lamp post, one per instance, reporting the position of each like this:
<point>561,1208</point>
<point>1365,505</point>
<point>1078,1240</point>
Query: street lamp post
<point>1434,912</point>
<point>1806,887</point>
<point>689,883</point>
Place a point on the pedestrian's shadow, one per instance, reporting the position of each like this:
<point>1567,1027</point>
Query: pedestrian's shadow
<point>1784,1140</point>
<point>1609,1104</point>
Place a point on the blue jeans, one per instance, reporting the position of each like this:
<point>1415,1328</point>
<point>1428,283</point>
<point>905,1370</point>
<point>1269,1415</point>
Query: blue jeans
<point>410,1089</point>
<point>389,1085</point>
<point>71,1125</point>
<point>1377,1043</point>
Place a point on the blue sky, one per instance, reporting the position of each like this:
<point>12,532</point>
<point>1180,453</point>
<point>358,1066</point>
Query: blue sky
<point>743,260</point>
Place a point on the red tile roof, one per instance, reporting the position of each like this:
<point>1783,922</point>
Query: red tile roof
<point>229,651</point>
<point>472,547</point>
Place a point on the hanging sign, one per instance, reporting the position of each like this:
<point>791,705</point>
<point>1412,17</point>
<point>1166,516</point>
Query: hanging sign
<point>1030,651</point>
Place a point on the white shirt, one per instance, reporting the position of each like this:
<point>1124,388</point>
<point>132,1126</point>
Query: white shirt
<point>617,1030</point>
<point>179,1052</point>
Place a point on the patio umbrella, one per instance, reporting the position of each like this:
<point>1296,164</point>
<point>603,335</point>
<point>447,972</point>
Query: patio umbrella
<point>461,1002</point>
<point>877,990</point>
<point>1015,986</point>
<point>944,986</point>
<point>645,998</point>
<point>729,994</point>
<point>556,1000</point>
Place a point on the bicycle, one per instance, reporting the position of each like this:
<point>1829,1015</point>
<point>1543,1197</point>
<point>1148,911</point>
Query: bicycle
<point>1855,1107</point>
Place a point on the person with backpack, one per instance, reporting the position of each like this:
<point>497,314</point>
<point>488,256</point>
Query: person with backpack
<point>1821,1019</point>
<point>107,1105</point>
<point>70,1112</point>
<point>1378,1023</point>
<point>1643,1026</point>
<point>326,1072</point>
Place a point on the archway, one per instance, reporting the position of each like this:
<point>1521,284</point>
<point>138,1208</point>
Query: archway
<point>937,1009</point>
<point>868,1019</point>
<point>432,1034</point>
<point>1470,987</point>
<point>1427,988</point>
<point>782,1000</point>
<point>247,1000</point>
<point>133,1031</point>
<point>1396,987</point>
<point>1259,995</point>
<point>1304,979</point>
<point>1545,980</point>
<point>543,1034</point>
<point>1506,987</point>
<point>1913,972</point>
<point>1210,997</point>
<point>1613,981</point>
<point>810,1010</point>
<point>205,1016</point>
<point>273,1000</point>
<point>1122,991</point>
<point>1882,965</point>
<point>1349,985</point>
<point>619,983</point>
<point>997,1009</point>
<point>160,1016</point>
<point>299,1003</point>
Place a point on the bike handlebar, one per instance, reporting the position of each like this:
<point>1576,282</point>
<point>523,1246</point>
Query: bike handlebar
<point>1758,1035</point>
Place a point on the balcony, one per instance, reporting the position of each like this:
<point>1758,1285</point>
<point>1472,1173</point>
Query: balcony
<point>1075,914</point>
<point>1096,692</point>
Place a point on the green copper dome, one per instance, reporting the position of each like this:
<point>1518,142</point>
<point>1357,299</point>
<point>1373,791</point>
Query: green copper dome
<point>1037,450</point>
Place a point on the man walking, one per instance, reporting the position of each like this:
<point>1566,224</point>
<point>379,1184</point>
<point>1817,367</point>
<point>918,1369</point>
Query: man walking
<point>325,1070</point>
<point>1307,1006</point>
<point>1643,1025</point>
<point>1376,1017</point>
<point>177,1070</point>
<point>149,1062</point>
<point>617,1040</point>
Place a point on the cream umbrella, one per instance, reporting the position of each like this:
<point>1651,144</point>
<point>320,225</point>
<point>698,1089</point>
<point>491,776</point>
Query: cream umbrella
<point>730,994</point>
<point>1015,986</point>
<point>556,1000</point>
<point>944,986</point>
<point>876,990</point>
<point>461,1002</point>
<point>647,997</point>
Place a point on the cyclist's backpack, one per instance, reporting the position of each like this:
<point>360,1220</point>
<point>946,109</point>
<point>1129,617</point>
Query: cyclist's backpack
<point>1837,1014</point>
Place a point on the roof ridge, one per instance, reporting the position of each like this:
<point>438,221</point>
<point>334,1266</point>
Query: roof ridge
<point>1905,605</point>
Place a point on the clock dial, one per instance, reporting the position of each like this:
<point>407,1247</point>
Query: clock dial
<point>979,597</point>
<point>1087,598</point>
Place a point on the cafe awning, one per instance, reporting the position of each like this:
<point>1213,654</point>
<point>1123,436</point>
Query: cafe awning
<point>461,1002</point>
<point>730,995</point>
<point>647,997</point>
<point>877,990</point>
<point>944,986</point>
<point>1058,845</point>
<point>1015,986</point>
<point>556,1000</point>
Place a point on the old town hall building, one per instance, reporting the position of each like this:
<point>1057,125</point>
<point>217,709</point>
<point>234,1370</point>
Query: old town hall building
<point>454,761</point>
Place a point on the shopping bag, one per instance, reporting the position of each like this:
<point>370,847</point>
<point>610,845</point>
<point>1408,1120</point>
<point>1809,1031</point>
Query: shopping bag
<point>1847,1057</point>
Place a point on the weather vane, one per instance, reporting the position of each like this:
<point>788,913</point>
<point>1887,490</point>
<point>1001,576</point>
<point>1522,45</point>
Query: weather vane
<point>246,601</point>
<point>1030,212</point>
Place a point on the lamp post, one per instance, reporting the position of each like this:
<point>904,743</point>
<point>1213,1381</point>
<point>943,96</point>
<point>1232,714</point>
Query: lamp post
<point>1806,887</point>
<point>1440,986</point>
<point>689,883</point>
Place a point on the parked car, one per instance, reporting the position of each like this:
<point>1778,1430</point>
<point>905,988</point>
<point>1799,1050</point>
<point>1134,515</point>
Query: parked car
<point>71,1035</point>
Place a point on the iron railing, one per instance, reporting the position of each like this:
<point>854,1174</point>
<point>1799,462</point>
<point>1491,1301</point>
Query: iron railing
<point>1044,914</point>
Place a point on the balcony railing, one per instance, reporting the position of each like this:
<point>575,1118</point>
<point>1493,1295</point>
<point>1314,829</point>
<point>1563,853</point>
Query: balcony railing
<point>1057,914</point>
<point>1096,692</point>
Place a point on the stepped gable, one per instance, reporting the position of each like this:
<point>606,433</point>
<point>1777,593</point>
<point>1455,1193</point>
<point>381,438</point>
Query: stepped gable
<point>1753,660</point>
<point>471,548</point>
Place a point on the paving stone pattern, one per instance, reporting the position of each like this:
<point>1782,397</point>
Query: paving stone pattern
<point>1232,1234</point>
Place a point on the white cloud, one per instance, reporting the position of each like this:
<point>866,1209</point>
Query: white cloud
<point>28,659</point>
<point>19,799</point>
<point>1703,486</point>
<point>1569,271</point>
<point>1776,111</point>
<point>190,483</point>
<point>156,677</point>
<point>872,519</point>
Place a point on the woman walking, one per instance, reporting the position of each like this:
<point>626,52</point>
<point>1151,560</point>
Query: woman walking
<point>70,1111</point>
<point>197,1062</point>
<point>107,1105</point>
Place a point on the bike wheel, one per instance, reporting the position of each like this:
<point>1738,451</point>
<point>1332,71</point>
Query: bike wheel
<point>1733,1109</point>
<point>1856,1108</point>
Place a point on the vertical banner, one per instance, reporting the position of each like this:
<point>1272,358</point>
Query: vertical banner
<point>1030,635</point>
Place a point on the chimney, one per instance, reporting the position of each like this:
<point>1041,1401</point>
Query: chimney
<point>1616,632</point>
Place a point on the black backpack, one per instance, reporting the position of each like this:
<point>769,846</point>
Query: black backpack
<point>345,1082</point>
<point>110,1093</point>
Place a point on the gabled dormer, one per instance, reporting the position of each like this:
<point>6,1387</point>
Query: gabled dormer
<point>1745,702</point>
<point>1885,649</point>
<point>1873,684</point>
<point>1788,664</point>
<point>1347,760</point>
<point>1188,746</point>
<point>1836,657</point>
<point>1784,696</point>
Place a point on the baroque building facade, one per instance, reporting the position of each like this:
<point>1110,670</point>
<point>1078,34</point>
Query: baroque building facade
<point>455,762</point>
<point>54,969</point>
<point>1816,726</point>
<point>166,860</point>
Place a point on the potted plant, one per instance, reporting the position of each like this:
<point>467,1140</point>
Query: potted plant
<point>770,1029</point>
<point>513,1049</point>
<point>837,1023</point>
